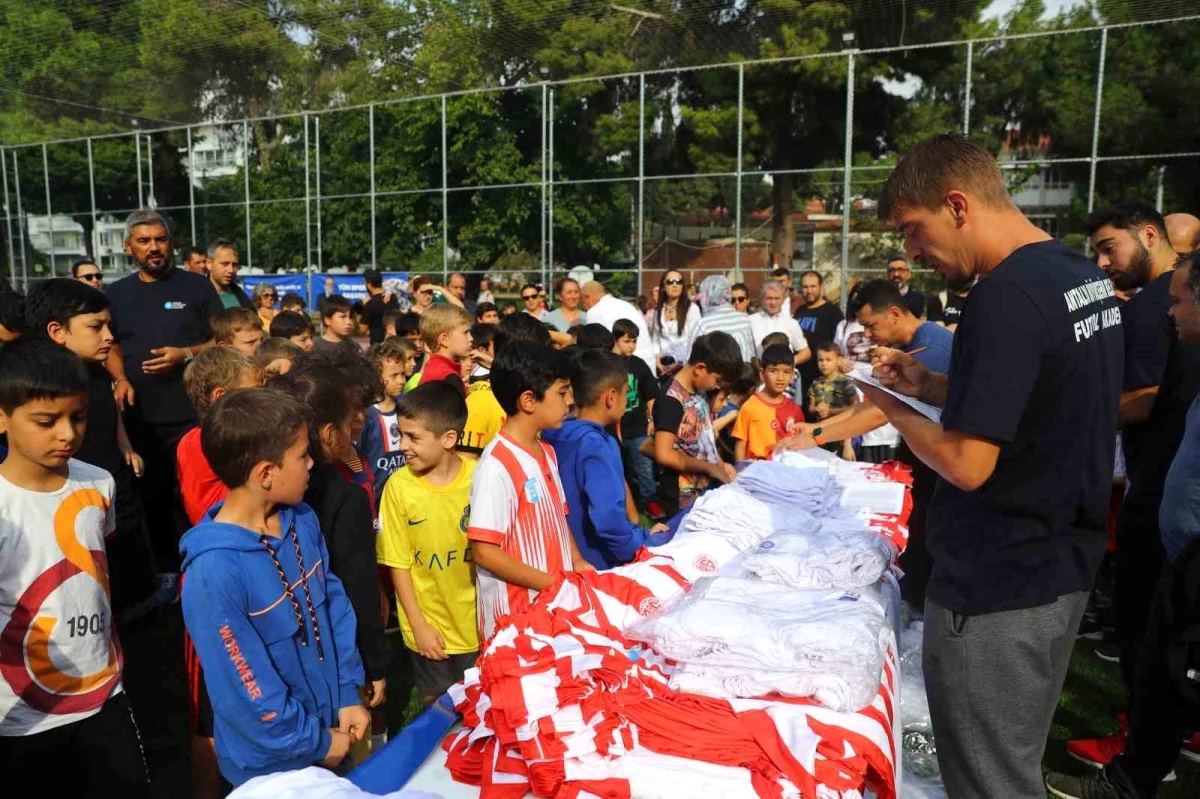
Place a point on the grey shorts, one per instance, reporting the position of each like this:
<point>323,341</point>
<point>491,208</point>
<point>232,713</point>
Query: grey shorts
<point>433,677</point>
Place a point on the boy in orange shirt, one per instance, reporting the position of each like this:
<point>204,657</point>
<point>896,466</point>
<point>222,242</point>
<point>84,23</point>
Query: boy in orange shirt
<point>768,415</point>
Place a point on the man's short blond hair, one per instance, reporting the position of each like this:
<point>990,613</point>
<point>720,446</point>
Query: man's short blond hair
<point>216,367</point>
<point>231,321</point>
<point>943,163</point>
<point>442,318</point>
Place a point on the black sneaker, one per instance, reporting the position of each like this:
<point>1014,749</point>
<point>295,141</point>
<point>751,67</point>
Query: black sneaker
<point>1096,786</point>
<point>1090,627</point>
<point>1108,652</point>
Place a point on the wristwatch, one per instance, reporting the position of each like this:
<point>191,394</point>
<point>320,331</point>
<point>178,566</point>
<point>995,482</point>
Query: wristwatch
<point>817,437</point>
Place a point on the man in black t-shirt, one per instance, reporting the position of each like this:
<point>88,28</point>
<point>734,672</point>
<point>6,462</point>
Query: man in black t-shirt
<point>818,320</point>
<point>160,318</point>
<point>378,304</point>
<point>1024,453</point>
<point>899,273</point>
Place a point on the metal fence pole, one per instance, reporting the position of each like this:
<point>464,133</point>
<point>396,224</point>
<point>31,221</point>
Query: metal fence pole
<point>95,250</point>
<point>550,193</point>
<point>308,265</point>
<point>246,187</point>
<point>191,178</point>
<point>1158,192</point>
<point>445,202</point>
<point>12,258</point>
<point>317,186</point>
<point>737,216</point>
<point>137,145</point>
<point>966,129</point>
<point>49,213</point>
<point>544,143</point>
<point>22,225</point>
<point>1091,200</point>
<point>371,147</point>
<point>150,169</point>
<point>641,178</point>
<point>846,174</point>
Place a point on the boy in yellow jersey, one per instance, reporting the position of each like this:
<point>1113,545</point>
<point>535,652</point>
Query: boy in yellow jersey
<point>423,541</point>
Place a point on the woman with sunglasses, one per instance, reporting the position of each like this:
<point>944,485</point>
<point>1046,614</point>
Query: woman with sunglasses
<point>531,296</point>
<point>568,313</point>
<point>673,320</point>
<point>264,302</point>
<point>740,298</point>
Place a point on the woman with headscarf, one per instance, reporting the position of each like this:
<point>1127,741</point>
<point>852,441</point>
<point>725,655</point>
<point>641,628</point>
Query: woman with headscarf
<point>672,320</point>
<point>719,314</point>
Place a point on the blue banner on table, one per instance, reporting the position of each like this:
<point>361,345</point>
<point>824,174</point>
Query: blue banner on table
<point>350,285</point>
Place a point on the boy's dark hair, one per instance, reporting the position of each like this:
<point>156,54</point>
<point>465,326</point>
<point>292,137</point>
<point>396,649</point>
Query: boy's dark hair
<point>520,327</point>
<point>292,298</point>
<point>438,405</point>
<point>333,304</point>
<point>483,308</point>
<point>771,339</point>
<point>59,300</point>
<point>408,323</point>
<point>574,330</point>
<point>522,366</point>
<point>37,369</point>
<point>595,336</point>
<point>509,307</point>
<point>746,383</point>
<point>389,349</point>
<point>719,353</point>
<point>289,323</point>
<point>624,327</point>
<point>391,319</point>
<point>482,335</point>
<point>596,371</point>
<point>215,367</point>
<point>332,386</point>
<point>12,311</point>
<point>881,295</point>
<point>272,349</point>
<point>778,355</point>
<point>246,427</point>
<point>828,346</point>
<point>1129,215</point>
<point>373,278</point>
<point>229,321</point>
<point>82,262</point>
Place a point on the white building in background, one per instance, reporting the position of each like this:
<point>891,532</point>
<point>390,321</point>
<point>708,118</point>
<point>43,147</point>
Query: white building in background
<point>108,243</point>
<point>217,151</point>
<point>1044,193</point>
<point>56,240</point>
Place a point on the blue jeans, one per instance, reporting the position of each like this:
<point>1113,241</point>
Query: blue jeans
<point>643,486</point>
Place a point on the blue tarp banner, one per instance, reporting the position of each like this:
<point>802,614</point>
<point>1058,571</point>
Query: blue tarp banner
<point>349,285</point>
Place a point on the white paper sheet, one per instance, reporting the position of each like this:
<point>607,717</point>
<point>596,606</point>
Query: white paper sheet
<point>862,373</point>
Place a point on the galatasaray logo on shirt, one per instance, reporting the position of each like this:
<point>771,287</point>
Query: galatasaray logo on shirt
<point>30,640</point>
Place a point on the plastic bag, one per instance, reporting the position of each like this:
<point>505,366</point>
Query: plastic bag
<point>921,778</point>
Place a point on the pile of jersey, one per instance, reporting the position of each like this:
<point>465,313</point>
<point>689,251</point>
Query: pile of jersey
<point>776,678</point>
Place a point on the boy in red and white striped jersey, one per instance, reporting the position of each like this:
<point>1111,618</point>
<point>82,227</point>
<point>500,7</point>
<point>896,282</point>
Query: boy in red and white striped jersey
<point>518,530</point>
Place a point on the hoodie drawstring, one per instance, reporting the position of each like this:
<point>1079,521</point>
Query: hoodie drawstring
<point>287,589</point>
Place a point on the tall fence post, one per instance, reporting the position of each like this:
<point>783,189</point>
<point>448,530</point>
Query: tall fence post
<point>846,174</point>
<point>737,216</point>
<point>12,257</point>
<point>49,212</point>
<point>966,128</point>
<point>246,187</point>
<point>317,186</point>
<point>1091,200</point>
<point>445,202</point>
<point>545,143</point>
<point>150,170</point>
<point>371,146</point>
<point>308,264</point>
<point>22,225</point>
<point>641,178</point>
<point>137,146</point>
<point>550,196</point>
<point>1158,191</point>
<point>191,160</point>
<point>95,248</point>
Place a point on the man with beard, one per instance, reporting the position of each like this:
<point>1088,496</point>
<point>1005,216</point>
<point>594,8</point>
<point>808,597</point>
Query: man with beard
<point>899,273</point>
<point>223,266</point>
<point>1162,377</point>
<point>160,317</point>
<point>1024,454</point>
<point>818,320</point>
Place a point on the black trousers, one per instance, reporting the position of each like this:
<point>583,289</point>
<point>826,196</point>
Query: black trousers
<point>1139,566</point>
<point>100,756</point>
<point>159,487</point>
<point>1158,717</point>
<point>915,561</point>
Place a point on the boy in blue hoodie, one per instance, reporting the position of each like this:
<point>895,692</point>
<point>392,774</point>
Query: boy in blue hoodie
<point>589,463</point>
<point>272,626</point>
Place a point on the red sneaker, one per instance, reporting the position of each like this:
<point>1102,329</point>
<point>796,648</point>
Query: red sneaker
<point>1191,748</point>
<point>655,511</point>
<point>1099,752</point>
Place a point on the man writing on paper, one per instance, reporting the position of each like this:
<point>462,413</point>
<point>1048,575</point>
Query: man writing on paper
<point>887,321</point>
<point>1016,526</point>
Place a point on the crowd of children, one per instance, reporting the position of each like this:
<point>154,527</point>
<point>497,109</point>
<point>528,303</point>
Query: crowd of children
<point>361,520</point>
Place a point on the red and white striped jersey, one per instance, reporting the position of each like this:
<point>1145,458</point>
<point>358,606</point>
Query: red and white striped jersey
<point>517,504</point>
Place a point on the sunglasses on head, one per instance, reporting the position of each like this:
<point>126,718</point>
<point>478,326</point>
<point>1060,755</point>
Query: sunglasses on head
<point>93,276</point>
<point>673,281</point>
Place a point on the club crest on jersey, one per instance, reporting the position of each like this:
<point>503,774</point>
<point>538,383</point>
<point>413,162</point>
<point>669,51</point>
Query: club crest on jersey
<point>532,495</point>
<point>466,518</point>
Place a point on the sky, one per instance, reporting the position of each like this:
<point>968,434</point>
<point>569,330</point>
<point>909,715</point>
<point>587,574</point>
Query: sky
<point>1001,7</point>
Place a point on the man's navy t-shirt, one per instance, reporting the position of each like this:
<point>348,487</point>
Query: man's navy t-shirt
<point>1154,356</point>
<point>1036,368</point>
<point>171,312</point>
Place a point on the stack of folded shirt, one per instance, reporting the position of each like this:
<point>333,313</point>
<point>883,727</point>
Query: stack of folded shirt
<point>749,638</point>
<point>812,490</point>
<point>742,520</point>
<point>841,552</point>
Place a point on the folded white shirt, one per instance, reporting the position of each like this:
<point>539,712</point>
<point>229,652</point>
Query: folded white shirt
<point>742,520</point>
<point>812,490</point>
<point>839,553</point>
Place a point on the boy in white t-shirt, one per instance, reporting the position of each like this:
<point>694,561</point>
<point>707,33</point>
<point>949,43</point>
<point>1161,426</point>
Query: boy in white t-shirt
<point>63,714</point>
<point>518,530</point>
